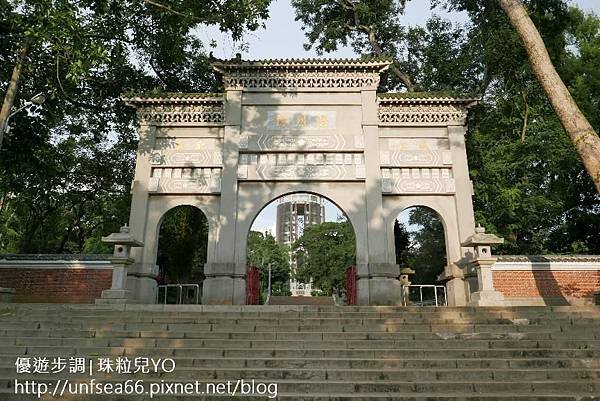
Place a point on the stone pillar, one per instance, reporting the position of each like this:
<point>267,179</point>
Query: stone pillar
<point>225,282</point>
<point>142,270</point>
<point>465,218</point>
<point>123,242</point>
<point>483,261</point>
<point>377,281</point>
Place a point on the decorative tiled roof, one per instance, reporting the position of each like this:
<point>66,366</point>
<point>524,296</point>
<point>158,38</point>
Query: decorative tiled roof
<point>172,97</point>
<point>549,258</point>
<point>370,63</point>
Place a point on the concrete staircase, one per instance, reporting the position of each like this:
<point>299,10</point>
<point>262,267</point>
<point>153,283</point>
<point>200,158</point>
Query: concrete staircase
<point>314,352</point>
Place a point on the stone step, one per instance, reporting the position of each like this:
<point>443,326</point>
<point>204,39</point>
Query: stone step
<point>410,328</point>
<point>275,335</point>
<point>303,343</point>
<point>393,353</point>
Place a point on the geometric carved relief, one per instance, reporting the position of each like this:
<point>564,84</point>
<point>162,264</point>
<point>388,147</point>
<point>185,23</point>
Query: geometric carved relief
<point>287,159</point>
<point>195,159</point>
<point>417,181</point>
<point>301,142</point>
<point>410,158</point>
<point>192,152</point>
<point>185,180</point>
<point>305,172</point>
<point>414,144</point>
<point>301,166</point>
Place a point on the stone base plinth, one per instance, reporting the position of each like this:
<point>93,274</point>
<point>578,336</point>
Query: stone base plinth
<point>487,298</point>
<point>114,297</point>
<point>225,284</point>
<point>378,284</point>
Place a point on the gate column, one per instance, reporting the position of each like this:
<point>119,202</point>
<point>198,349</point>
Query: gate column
<point>377,280</point>
<point>225,282</point>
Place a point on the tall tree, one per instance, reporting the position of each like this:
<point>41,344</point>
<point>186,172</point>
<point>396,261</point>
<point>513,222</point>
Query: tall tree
<point>371,25</point>
<point>325,251</point>
<point>423,248</point>
<point>264,251</point>
<point>77,36</point>
<point>581,132</point>
<point>66,169</point>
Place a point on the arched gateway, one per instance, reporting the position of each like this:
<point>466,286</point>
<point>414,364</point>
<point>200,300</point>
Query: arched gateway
<point>286,126</point>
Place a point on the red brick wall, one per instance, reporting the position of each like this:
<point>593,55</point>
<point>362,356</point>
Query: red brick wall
<point>56,285</point>
<point>547,283</point>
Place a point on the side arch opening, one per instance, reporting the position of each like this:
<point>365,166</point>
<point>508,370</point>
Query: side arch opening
<point>420,245</point>
<point>182,252</point>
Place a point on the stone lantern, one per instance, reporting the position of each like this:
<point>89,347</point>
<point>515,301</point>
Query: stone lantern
<point>482,261</point>
<point>123,242</point>
<point>405,272</point>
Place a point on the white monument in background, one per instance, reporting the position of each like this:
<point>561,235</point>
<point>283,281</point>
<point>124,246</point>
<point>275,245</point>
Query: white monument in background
<point>295,213</point>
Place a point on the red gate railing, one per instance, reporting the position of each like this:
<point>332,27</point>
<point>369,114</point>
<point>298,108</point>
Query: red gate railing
<point>351,285</point>
<point>252,285</point>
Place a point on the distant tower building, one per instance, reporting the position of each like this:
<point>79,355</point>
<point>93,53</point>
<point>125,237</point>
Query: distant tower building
<point>294,213</point>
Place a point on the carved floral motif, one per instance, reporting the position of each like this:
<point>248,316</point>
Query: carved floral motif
<point>301,79</point>
<point>422,113</point>
<point>176,113</point>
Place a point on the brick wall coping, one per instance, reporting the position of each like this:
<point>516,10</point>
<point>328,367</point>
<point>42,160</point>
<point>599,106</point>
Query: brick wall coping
<point>549,262</point>
<point>55,261</point>
<point>549,258</point>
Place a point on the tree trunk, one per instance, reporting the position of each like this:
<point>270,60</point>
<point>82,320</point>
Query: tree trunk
<point>578,128</point>
<point>13,88</point>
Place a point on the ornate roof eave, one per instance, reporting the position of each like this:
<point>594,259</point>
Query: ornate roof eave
<point>429,98</point>
<point>152,99</point>
<point>375,64</point>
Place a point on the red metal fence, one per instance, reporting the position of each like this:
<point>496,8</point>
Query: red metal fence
<point>351,285</point>
<point>252,285</point>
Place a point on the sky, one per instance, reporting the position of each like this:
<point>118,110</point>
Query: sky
<point>284,38</point>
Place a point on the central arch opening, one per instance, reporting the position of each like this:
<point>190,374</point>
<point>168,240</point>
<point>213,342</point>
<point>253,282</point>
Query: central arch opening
<point>302,244</point>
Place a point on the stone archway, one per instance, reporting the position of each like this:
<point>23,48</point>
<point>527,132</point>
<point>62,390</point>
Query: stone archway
<point>286,126</point>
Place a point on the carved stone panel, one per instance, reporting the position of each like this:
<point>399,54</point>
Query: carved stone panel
<point>301,142</point>
<point>185,180</point>
<point>302,166</point>
<point>417,181</point>
<point>409,158</point>
<point>189,152</point>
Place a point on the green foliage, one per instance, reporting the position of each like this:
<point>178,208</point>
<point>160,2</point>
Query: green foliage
<point>263,251</point>
<point>424,249</point>
<point>66,168</point>
<point>182,244</point>
<point>324,252</point>
<point>530,185</point>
